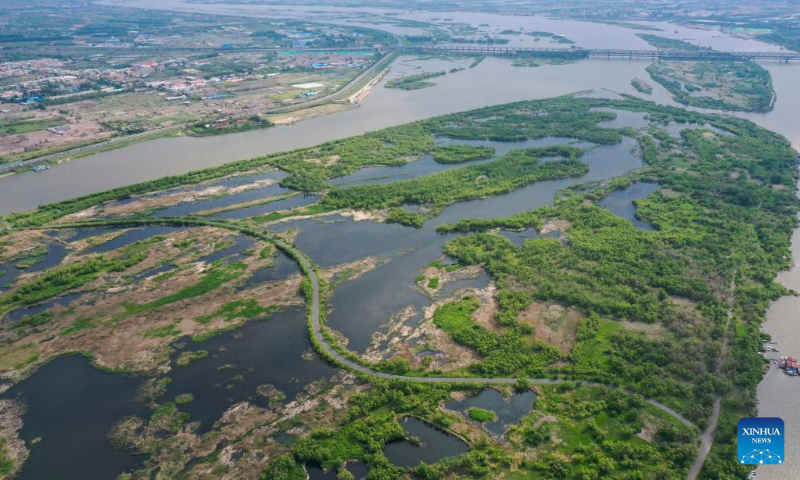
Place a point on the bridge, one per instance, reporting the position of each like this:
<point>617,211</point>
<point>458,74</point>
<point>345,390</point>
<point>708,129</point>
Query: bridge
<point>703,54</point>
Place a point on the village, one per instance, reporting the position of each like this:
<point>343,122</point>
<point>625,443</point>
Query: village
<point>49,104</point>
<point>92,78</point>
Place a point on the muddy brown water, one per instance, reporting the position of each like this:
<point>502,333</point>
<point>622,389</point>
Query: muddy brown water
<point>54,413</point>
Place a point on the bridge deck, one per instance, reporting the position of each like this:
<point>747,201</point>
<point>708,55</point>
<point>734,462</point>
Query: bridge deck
<point>608,52</point>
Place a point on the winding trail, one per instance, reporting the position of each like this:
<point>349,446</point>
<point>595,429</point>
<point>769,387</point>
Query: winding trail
<point>707,437</point>
<point>329,352</point>
<point>321,342</point>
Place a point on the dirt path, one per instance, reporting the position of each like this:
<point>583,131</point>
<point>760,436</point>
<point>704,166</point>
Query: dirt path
<point>707,437</point>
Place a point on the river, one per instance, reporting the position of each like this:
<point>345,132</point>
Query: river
<point>493,81</point>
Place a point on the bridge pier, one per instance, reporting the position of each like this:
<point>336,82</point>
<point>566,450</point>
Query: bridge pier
<point>783,57</point>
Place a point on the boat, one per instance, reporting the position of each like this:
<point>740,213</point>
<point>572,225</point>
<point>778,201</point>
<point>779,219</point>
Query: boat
<point>789,365</point>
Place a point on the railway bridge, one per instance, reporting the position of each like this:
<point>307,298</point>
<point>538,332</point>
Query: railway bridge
<point>702,54</point>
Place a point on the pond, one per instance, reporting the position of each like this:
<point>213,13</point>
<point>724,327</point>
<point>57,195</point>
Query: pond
<point>508,411</point>
<point>10,271</point>
<point>434,445</point>
<point>266,354</point>
<point>282,269</point>
<point>71,407</point>
<point>621,202</point>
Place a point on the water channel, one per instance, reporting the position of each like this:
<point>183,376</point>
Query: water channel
<point>63,396</point>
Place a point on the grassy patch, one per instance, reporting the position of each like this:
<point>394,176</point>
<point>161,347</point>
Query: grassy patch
<point>164,331</point>
<point>18,126</point>
<point>81,323</point>
<point>481,415</point>
<point>461,153</point>
<point>249,309</point>
<point>185,358</point>
<point>414,82</point>
<point>213,278</point>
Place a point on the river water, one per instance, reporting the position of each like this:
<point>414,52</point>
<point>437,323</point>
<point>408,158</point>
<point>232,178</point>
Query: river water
<point>493,81</point>
<point>777,391</point>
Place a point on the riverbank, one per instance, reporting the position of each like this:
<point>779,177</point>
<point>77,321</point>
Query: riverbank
<point>777,391</point>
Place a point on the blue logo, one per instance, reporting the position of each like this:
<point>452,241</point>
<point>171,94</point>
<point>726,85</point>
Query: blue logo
<point>760,441</point>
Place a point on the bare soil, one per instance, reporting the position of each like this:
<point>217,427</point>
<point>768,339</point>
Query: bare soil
<point>553,323</point>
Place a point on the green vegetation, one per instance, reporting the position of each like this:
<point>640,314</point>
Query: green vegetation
<point>520,221</point>
<point>248,309</point>
<point>404,217</point>
<point>548,58</point>
<point>6,464</point>
<point>710,229</point>
<point>481,415</point>
<point>673,314</point>
<point>665,43</point>
<point>630,25</point>
<point>284,468</point>
<point>60,280</point>
<point>477,61</point>
<point>414,82</point>
<point>219,274</point>
<point>447,268</point>
<point>641,86</point>
<point>509,172</point>
<point>733,85</point>
<point>207,128</point>
<point>184,398</point>
<point>786,35</point>
<point>185,358</point>
<point>17,126</point>
<point>597,432</point>
<point>371,422</point>
<point>553,36</point>
<point>507,354</point>
<point>31,258</point>
<point>164,331</point>
<point>166,417</point>
<point>433,283</point>
<point>461,153</point>
<point>80,323</point>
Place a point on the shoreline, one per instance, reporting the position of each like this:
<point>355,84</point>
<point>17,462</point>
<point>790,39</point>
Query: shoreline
<point>777,389</point>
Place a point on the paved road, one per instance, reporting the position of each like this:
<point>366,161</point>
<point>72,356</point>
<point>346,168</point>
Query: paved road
<point>382,63</point>
<point>348,364</point>
<point>351,365</point>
